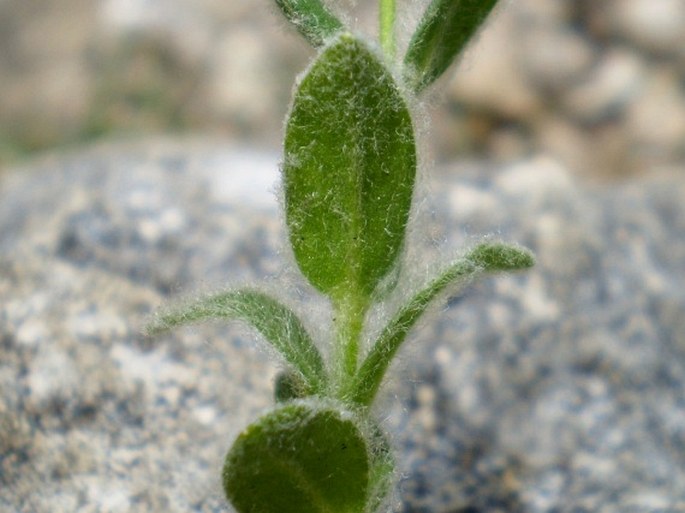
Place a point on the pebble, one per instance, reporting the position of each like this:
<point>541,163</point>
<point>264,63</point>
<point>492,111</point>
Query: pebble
<point>654,26</point>
<point>556,58</point>
<point>489,75</point>
<point>608,90</point>
<point>656,118</point>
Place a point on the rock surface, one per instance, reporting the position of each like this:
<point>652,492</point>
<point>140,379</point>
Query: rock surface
<point>561,390</point>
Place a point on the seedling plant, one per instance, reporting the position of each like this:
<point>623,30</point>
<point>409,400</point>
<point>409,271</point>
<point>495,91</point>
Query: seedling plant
<point>349,173</point>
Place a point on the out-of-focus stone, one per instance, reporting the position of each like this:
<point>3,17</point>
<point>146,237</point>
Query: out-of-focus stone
<point>45,83</point>
<point>567,378</point>
<point>543,12</point>
<point>555,57</point>
<point>617,78</point>
<point>656,26</point>
<point>655,120</point>
<point>568,143</point>
<point>73,70</point>
<point>240,73</point>
<point>489,75</point>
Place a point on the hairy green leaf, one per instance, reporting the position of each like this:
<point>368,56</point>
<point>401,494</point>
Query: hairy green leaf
<point>349,169</point>
<point>313,19</point>
<point>484,258</point>
<point>382,467</point>
<point>289,385</point>
<point>277,324</point>
<point>300,458</point>
<point>493,257</point>
<point>443,32</point>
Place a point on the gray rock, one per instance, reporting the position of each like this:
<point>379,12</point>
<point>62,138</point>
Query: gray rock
<point>93,417</point>
<point>559,390</point>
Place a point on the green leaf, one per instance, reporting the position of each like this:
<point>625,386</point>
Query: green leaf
<point>349,169</point>
<point>382,468</point>
<point>277,324</point>
<point>312,18</point>
<point>443,32</point>
<point>486,257</point>
<point>300,458</point>
<point>493,257</point>
<point>289,385</point>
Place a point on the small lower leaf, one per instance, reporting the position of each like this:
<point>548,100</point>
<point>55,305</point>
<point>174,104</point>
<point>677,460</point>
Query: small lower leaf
<point>301,458</point>
<point>289,385</point>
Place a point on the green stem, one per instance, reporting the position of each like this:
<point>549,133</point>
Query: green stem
<point>349,320</point>
<point>368,379</point>
<point>387,27</point>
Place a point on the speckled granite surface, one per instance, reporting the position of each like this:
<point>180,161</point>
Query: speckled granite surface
<point>562,390</point>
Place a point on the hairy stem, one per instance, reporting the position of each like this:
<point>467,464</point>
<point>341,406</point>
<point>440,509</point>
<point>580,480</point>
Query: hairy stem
<point>349,321</point>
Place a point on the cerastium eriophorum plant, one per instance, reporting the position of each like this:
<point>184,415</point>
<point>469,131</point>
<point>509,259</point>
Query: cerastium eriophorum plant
<point>349,172</point>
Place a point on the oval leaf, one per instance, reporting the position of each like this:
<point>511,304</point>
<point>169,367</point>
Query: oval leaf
<point>312,18</point>
<point>349,169</point>
<point>443,32</point>
<point>300,458</point>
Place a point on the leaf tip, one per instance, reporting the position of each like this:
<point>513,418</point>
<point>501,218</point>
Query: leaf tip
<point>155,325</point>
<point>500,256</point>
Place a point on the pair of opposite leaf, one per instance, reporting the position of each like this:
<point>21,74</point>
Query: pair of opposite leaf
<point>349,170</point>
<point>443,32</point>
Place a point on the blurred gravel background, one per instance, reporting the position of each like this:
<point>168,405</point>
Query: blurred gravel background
<point>597,84</point>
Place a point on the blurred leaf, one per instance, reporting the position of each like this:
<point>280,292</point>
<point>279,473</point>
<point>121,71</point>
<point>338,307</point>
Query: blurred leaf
<point>442,34</point>
<point>289,385</point>
<point>312,18</point>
